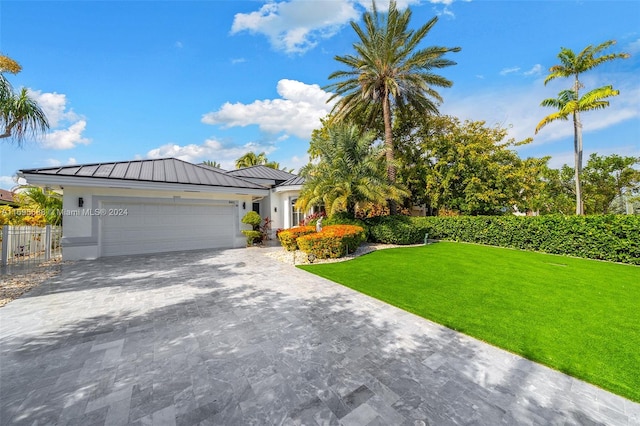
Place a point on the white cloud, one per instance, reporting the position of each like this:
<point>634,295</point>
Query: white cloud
<point>518,108</point>
<point>66,127</point>
<point>506,71</point>
<point>297,112</point>
<point>297,161</point>
<point>296,26</point>
<point>535,70</point>
<point>7,182</point>
<point>566,157</point>
<point>633,47</point>
<point>54,106</point>
<point>178,44</point>
<point>238,60</point>
<point>54,162</point>
<point>66,138</point>
<point>210,149</point>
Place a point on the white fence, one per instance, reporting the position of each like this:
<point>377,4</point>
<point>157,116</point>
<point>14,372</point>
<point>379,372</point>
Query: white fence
<point>30,245</point>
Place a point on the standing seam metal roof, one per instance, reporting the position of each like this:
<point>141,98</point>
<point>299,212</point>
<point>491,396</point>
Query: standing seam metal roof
<point>261,172</point>
<point>170,170</point>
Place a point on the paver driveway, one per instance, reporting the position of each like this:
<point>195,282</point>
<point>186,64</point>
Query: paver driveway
<point>233,337</point>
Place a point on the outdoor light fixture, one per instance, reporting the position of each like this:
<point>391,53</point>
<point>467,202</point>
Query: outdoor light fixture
<point>80,202</point>
<point>275,209</point>
<point>244,205</point>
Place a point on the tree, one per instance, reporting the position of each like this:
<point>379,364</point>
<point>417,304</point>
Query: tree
<point>569,102</point>
<point>349,172</point>
<point>607,178</point>
<point>389,71</point>
<point>45,202</point>
<point>465,167</point>
<point>252,159</point>
<point>212,163</point>
<point>20,116</point>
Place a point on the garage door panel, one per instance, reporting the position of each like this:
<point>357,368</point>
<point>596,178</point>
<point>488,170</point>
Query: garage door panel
<point>154,228</point>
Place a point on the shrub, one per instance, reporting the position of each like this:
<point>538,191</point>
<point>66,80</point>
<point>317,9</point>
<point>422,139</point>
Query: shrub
<point>333,241</point>
<point>252,236</point>
<point>604,237</point>
<point>396,230</point>
<point>345,219</point>
<point>288,237</point>
<point>312,219</point>
<point>252,218</point>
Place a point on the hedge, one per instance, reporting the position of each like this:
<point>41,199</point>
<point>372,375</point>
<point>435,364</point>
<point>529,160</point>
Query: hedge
<point>333,241</point>
<point>288,237</point>
<point>613,238</point>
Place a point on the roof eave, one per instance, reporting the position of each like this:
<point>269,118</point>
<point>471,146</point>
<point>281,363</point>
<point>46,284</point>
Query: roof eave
<point>288,188</point>
<point>62,181</point>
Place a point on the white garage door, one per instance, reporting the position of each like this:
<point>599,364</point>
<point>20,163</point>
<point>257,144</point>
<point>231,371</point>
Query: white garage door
<point>137,228</point>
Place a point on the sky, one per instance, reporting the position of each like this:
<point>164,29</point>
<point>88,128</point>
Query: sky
<point>212,80</point>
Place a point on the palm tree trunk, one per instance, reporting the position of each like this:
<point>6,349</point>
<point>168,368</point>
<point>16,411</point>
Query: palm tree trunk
<point>577,150</point>
<point>388,143</point>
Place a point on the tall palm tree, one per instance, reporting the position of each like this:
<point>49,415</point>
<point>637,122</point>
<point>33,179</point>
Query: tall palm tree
<point>569,101</point>
<point>389,70</point>
<point>20,115</point>
<point>350,172</point>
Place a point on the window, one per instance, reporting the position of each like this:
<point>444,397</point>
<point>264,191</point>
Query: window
<point>296,215</point>
<point>256,207</point>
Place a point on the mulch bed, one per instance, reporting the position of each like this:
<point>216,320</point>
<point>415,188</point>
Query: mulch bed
<point>15,285</point>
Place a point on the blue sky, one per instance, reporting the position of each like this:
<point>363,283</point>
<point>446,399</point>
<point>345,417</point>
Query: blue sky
<point>211,80</point>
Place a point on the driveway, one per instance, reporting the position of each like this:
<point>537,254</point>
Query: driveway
<point>232,337</point>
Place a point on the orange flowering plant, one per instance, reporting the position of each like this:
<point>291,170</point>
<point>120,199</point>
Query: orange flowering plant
<point>288,237</point>
<point>333,241</point>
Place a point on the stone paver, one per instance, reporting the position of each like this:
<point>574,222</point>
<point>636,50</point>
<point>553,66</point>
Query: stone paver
<point>231,337</point>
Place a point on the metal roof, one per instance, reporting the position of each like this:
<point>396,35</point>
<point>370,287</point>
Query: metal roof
<point>296,180</point>
<point>215,169</point>
<point>261,172</point>
<point>170,170</point>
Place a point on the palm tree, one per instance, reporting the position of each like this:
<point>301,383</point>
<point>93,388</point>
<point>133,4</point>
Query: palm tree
<point>389,70</point>
<point>251,159</point>
<point>350,173</point>
<point>212,163</point>
<point>569,101</point>
<point>20,115</point>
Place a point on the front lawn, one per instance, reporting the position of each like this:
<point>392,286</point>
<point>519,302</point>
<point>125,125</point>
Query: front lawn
<point>578,316</point>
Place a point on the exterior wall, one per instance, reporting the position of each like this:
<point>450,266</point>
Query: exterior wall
<point>81,228</point>
<point>281,199</point>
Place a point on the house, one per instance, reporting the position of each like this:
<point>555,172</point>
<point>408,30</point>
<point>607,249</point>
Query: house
<point>151,206</point>
<point>7,198</point>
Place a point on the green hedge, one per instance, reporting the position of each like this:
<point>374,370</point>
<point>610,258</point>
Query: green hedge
<point>605,237</point>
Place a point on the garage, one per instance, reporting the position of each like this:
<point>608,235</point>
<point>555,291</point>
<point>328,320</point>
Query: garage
<point>137,228</point>
<point>151,206</point>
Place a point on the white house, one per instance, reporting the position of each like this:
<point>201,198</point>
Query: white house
<point>150,206</point>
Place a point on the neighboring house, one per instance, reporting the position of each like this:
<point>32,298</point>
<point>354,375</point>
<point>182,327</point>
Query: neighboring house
<point>6,198</point>
<point>151,206</point>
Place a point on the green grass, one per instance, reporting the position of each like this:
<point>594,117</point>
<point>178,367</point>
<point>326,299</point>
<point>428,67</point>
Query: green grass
<point>578,316</point>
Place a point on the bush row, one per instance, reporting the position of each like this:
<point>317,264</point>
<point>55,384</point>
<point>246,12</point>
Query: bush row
<point>289,237</point>
<point>606,237</point>
<point>333,241</point>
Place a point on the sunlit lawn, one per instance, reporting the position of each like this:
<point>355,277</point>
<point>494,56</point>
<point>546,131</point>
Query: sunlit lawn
<point>578,316</point>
